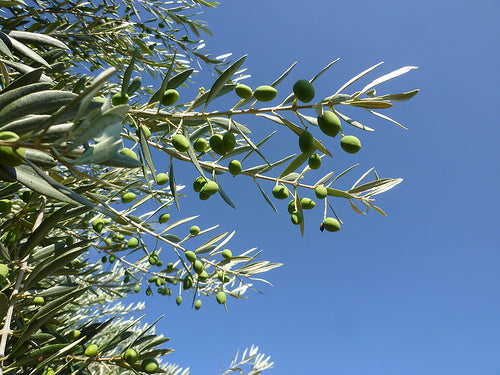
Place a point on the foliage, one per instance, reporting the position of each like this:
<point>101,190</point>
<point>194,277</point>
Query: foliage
<point>81,191</point>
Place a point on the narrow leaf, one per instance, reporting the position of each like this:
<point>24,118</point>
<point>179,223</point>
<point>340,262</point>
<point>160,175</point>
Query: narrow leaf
<point>296,163</point>
<point>173,187</point>
<point>222,80</point>
<point>266,197</point>
<point>387,77</point>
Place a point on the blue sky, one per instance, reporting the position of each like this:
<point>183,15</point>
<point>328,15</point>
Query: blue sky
<point>412,293</point>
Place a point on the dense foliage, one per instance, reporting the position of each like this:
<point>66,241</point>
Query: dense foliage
<point>79,189</point>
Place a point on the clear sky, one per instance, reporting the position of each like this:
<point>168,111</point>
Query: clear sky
<point>413,293</point>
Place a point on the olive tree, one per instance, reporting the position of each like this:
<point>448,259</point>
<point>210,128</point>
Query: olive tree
<point>92,97</point>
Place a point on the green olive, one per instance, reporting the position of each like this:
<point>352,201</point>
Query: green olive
<point>194,230</point>
<point>149,365</point>
<point>306,142</point>
<point>217,144</point>
<point>229,141</point>
<point>200,144</point>
<point>307,203</point>
<point>221,298</point>
<point>265,93</point>
<point>280,192</point>
<point>180,143</point>
<point>170,97</point>
<point>8,156</point>
<point>314,161</point>
<point>243,91</point>
<point>91,350</point>
<point>164,218</point>
<point>227,254</point>
<point>130,356</point>
<point>303,90</point>
<point>234,167</point>
<point>321,192</point>
<point>350,144</point>
<point>178,300</point>
<point>297,217</point>
<point>190,256</point>
<point>128,197</point>
<point>161,178</point>
<point>128,152</point>
<point>331,224</point>
<point>197,305</point>
<point>119,98</point>
<point>132,242</point>
<point>329,123</point>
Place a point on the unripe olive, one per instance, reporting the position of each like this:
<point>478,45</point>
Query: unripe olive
<point>119,98</point>
<point>4,271</point>
<point>234,167</point>
<point>12,236</point>
<point>187,283</point>
<point>161,178</point>
<point>314,161</point>
<point>329,123</point>
<point>224,277</point>
<point>198,266</point>
<point>204,195</point>
<point>98,225</point>
<point>48,371</point>
<point>128,197</point>
<point>200,144</point>
<point>331,224</point>
<point>112,258</point>
<point>306,142</point>
<point>221,298</point>
<point>303,90</point>
<point>145,130</point>
<point>280,192</point>
<point>243,91</point>
<point>8,157</point>
<point>74,334</point>
<point>137,288</point>
<point>148,291</point>
<point>217,144</point>
<point>130,356</point>
<point>104,259</point>
<point>128,152</point>
<point>198,183</point>
<point>307,203</point>
<point>149,365</point>
<point>39,301</point>
<point>321,192</point>
<point>153,258</point>
<point>164,218</point>
<point>126,279</point>
<point>180,142</point>
<point>170,97</point>
<point>203,275</point>
<point>197,305</point>
<point>229,141</point>
<point>194,230</point>
<point>190,256</point>
<point>210,187</point>
<point>91,350</point>
<point>132,242</point>
<point>5,205</point>
<point>265,93</point>
<point>178,300</point>
<point>297,217</point>
<point>227,254</point>
<point>350,144</point>
<point>291,207</point>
